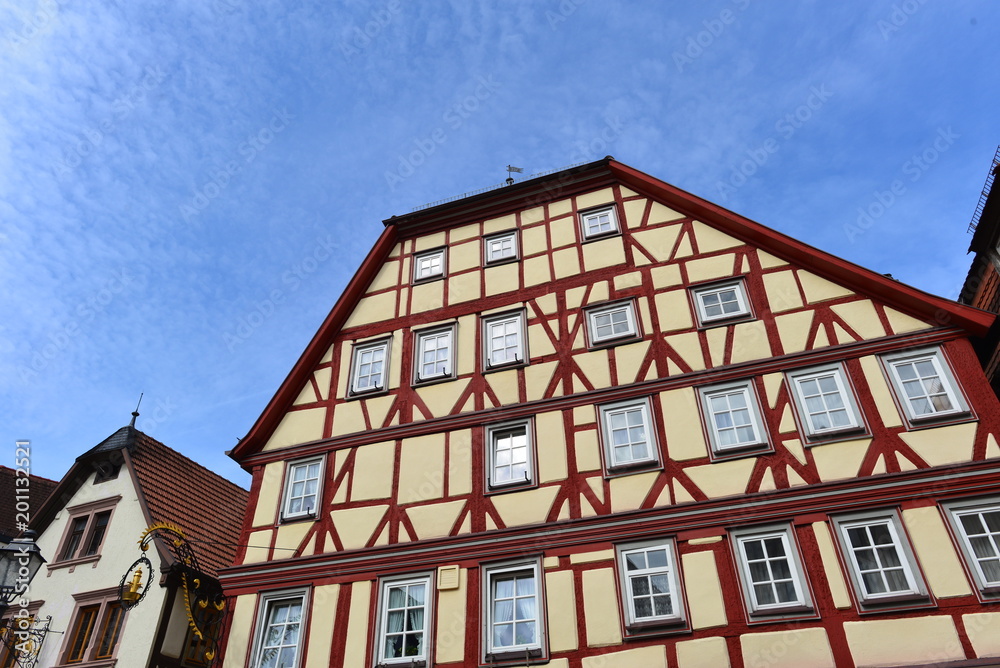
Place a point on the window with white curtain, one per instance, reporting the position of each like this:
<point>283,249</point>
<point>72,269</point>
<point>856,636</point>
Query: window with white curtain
<point>514,611</point>
<point>404,617</point>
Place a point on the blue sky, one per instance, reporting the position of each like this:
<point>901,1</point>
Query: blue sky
<point>186,187</point>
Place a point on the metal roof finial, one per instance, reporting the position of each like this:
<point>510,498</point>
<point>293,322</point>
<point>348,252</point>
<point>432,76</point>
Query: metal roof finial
<point>135,413</point>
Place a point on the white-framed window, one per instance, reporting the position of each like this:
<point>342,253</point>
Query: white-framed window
<point>514,611</point>
<point>302,489</point>
<point>721,302</point>
<point>500,247</point>
<point>278,641</point>
<point>404,621</point>
<point>510,457</point>
<point>733,416</point>
<point>924,384</point>
<point>599,222</point>
<point>826,404</point>
<point>370,367</point>
<point>771,572</point>
<point>429,264</point>
<point>612,322</point>
<point>435,355</point>
<point>880,561</point>
<point>977,526</point>
<point>627,433</point>
<point>649,583</point>
<point>503,340</point>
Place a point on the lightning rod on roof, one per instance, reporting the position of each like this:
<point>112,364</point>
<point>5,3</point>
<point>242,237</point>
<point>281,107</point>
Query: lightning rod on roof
<point>512,170</point>
<point>135,413</point>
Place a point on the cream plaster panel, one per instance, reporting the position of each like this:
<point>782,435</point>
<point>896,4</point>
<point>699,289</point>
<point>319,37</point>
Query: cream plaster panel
<point>373,309</point>
<point>750,342</point>
<point>862,318</point>
<point>992,449</point>
<point>289,538</point>
<point>561,599</point>
<point>536,271</point>
<point>460,462</point>
<point>821,340</point>
<point>464,287</point>
<point>504,384</point>
<point>831,566</point>
<point>259,545</point>
<point>596,198</point>
<point>904,463</point>
<point>539,343</point>
<point>772,387</point>
<point>935,552</point>
<point>451,621</point>
<point>462,233</point>
<point>983,629</point>
<point>584,415</point>
<point>327,356</point>
<point>594,366</point>
<point>322,621</point>
<point>574,298</point>
<point>819,289</point>
<point>645,317</point>
<point>586,507</point>
<point>880,391</point>
<point>629,491</point>
<point>711,239</point>
<point>504,278</point>
<point>801,648</point>
<point>787,424</point>
<point>628,360</point>
<point>356,525</point>
<point>659,242</point>
<point>534,215</point>
<point>378,409</point>
<point>688,346</point>
<point>395,360</point>
<point>630,280</point>
<point>659,214</point>
<point>464,256</point>
<point>708,268</point>
<point>684,248</point>
<point>562,232</point>
<point>768,261</point>
<point>701,582</point>
<point>943,445</point>
<point>596,484</point>
<point>682,425</point>
<point>298,427</point>
<point>666,276</point>
<point>548,304</point>
<point>840,335</point>
<point>428,241</point>
<point>357,625</point>
<point>500,224</point>
<point>566,262</point>
<point>600,608</point>
<point>534,240</point>
<point>588,453</point>
<point>793,330</point>
<point>466,354</point>
<point>902,323</point>
<point>551,446</point>
<point>421,468</point>
<point>633,212</point>
<point>681,494</point>
<point>434,520</point>
<point>537,378</point>
<point>442,397</point>
<point>782,291</point>
<point>879,466</point>
<point>306,396</point>
<point>323,382</point>
<point>605,253</point>
<point>709,540</point>
<point>269,496</point>
<point>717,345</point>
<point>703,653</point>
<point>591,557</point>
<point>238,640</point>
<point>348,418</point>
<point>599,292</point>
<point>373,467</point>
<point>794,479</point>
<point>767,481</point>
<point>387,277</point>
<point>896,642</point>
<point>673,310</point>
<point>427,296</point>
<point>722,478</point>
<point>794,446</point>
<point>528,507</point>
<point>839,461</point>
<point>646,657</point>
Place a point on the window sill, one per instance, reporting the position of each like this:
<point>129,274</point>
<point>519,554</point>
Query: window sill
<point>516,657</point>
<point>99,663</point>
<point>835,435</point>
<point>429,279</point>
<point>892,603</point>
<point>728,320</point>
<point>73,563</point>
<point>433,380</point>
<point>503,488</point>
<point>749,450</point>
<point>307,517</point>
<point>504,366</point>
<point>600,236</point>
<point>365,394</point>
<point>644,630</point>
<point>632,468</point>
<point>940,420</point>
<point>496,263</point>
<point>617,341</point>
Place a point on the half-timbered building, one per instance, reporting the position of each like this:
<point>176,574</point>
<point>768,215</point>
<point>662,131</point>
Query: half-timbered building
<point>590,420</point>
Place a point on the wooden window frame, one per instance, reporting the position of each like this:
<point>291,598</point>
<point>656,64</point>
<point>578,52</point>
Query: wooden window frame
<point>89,512</point>
<point>104,603</point>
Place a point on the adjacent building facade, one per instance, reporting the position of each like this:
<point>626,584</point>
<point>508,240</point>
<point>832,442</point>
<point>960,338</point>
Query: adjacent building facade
<point>592,421</point>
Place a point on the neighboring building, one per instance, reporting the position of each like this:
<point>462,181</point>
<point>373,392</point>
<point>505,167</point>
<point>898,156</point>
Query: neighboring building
<point>38,489</point>
<point>982,286</point>
<point>590,420</point>
<point>89,532</point>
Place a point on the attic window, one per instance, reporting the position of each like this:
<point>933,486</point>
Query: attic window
<point>721,302</point>
<point>600,222</point>
<point>105,471</point>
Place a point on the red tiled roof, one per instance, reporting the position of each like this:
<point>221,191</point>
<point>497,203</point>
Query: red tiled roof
<point>39,489</point>
<point>206,506</point>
